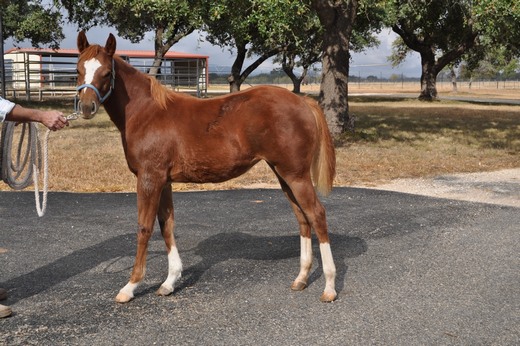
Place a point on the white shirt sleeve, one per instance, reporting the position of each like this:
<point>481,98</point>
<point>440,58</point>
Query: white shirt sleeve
<point>6,107</point>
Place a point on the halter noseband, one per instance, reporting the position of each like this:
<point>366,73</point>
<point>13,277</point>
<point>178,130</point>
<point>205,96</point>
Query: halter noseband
<point>90,86</point>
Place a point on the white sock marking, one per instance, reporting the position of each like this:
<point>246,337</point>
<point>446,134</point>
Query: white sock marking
<point>174,269</point>
<point>306,253</point>
<point>129,289</point>
<point>305,259</point>
<point>329,269</point>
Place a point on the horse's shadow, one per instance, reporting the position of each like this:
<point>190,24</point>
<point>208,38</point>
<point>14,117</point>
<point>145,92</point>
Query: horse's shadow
<point>236,245</point>
<point>213,250</point>
<point>66,267</point>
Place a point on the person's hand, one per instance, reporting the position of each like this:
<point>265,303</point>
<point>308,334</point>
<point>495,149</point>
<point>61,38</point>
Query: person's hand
<point>53,120</point>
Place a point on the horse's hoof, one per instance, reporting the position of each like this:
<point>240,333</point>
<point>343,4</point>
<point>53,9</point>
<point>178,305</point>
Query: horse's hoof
<point>328,296</point>
<point>123,298</point>
<point>298,286</point>
<point>163,291</point>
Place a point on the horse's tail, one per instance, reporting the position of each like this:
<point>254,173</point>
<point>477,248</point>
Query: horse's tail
<point>323,167</point>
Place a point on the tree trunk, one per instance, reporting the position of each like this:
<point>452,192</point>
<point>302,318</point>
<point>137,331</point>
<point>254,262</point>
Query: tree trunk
<point>161,49</point>
<point>337,19</point>
<point>237,77</point>
<point>163,41</point>
<point>288,65</point>
<point>297,86</point>
<point>234,79</point>
<point>453,76</point>
<point>428,77</point>
<point>156,65</point>
<point>428,86</point>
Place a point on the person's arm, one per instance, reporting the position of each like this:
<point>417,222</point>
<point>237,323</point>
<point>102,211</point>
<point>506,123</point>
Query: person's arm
<point>53,120</point>
<point>6,107</point>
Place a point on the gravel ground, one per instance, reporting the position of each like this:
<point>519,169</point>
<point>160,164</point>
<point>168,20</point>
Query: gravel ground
<point>500,187</point>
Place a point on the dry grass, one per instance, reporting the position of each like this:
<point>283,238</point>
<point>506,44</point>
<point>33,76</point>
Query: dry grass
<point>404,139</point>
<point>393,139</point>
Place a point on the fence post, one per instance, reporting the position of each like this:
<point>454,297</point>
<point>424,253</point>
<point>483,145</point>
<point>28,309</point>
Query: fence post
<point>2,55</point>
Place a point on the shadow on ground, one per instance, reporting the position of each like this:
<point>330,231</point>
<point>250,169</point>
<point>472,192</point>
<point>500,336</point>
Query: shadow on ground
<point>213,251</point>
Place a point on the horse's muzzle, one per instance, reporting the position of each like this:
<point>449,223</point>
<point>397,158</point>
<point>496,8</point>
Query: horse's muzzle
<point>88,109</point>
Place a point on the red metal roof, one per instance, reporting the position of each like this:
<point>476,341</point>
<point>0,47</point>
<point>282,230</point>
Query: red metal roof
<point>148,54</point>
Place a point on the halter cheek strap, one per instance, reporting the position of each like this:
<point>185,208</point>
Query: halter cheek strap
<point>90,86</point>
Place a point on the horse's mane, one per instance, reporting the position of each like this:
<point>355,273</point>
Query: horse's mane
<point>159,92</point>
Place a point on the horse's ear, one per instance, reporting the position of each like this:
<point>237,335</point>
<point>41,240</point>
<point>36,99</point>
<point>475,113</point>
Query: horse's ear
<point>82,41</point>
<point>110,46</point>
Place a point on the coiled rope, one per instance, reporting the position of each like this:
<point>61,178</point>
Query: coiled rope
<point>23,168</point>
<point>17,170</point>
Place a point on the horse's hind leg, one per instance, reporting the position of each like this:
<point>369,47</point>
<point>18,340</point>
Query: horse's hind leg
<point>300,282</point>
<point>148,194</point>
<point>166,222</point>
<point>310,213</point>
<point>306,199</point>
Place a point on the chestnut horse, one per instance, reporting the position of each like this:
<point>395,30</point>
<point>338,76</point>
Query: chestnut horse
<point>171,137</point>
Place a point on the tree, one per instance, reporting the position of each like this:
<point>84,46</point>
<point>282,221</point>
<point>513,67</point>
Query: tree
<point>347,25</point>
<point>169,20</point>
<point>490,63</point>
<point>289,64</point>
<point>394,78</point>
<point>497,23</point>
<point>304,51</point>
<point>28,20</point>
<point>253,28</point>
<point>443,31</point>
<point>511,68</point>
<point>498,50</point>
<point>440,31</point>
<point>453,77</point>
<point>337,19</point>
<point>31,20</point>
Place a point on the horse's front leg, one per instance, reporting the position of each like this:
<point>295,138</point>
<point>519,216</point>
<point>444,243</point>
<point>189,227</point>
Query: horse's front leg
<point>148,194</point>
<point>166,221</point>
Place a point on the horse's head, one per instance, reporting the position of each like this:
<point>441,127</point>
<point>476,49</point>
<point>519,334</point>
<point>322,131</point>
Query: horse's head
<point>95,74</point>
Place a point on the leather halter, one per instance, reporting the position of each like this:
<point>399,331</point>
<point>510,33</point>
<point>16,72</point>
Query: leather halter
<point>90,86</point>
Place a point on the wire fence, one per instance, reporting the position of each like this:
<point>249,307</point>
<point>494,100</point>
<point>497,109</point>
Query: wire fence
<point>442,85</point>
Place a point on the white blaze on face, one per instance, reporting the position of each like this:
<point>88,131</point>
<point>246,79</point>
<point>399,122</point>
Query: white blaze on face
<point>91,67</point>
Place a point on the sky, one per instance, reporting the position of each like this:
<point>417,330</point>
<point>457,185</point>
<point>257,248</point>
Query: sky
<point>371,62</point>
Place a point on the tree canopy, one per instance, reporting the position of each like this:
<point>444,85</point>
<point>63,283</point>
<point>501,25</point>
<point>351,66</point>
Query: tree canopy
<point>170,21</point>
<point>497,22</point>
<point>32,20</point>
<point>444,32</point>
<point>260,28</point>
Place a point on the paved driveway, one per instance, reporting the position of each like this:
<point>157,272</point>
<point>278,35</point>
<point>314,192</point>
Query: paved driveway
<point>411,270</point>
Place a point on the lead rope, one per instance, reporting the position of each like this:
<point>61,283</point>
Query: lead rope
<point>41,208</point>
